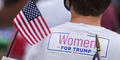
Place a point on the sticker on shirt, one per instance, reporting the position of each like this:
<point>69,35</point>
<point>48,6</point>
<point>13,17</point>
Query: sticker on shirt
<point>77,43</point>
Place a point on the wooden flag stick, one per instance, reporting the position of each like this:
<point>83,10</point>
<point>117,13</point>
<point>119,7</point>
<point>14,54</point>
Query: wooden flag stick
<point>98,47</point>
<point>12,44</point>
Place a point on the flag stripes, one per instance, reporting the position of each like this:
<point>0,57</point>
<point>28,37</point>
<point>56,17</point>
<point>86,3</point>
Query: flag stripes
<point>40,22</point>
<point>31,24</point>
<point>34,30</point>
<point>22,31</point>
<point>28,27</point>
<point>47,28</point>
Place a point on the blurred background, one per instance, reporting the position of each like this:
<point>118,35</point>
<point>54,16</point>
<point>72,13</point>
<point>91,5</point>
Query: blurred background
<point>53,12</point>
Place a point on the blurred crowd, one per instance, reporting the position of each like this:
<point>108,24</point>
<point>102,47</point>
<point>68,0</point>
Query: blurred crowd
<point>49,9</point>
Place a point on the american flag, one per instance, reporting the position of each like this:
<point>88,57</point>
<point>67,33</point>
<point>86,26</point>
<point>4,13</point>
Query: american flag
<point>95,57</point>
<point>31,24</point>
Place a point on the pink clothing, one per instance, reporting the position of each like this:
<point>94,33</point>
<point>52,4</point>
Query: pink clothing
<point>108,19</point>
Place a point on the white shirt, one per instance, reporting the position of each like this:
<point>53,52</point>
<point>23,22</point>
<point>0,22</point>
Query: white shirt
<point>71,41</point>
<point>53,12</point>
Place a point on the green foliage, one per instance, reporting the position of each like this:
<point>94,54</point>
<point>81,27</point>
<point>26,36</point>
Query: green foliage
<point>3,44</point>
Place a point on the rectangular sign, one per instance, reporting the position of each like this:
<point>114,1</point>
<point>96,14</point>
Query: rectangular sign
<point>77,43</point>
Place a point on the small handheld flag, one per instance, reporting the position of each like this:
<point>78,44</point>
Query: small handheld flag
<point>31,24</point>
<point>97,56</point>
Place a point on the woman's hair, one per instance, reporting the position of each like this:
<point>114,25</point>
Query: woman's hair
<point>90,7</point>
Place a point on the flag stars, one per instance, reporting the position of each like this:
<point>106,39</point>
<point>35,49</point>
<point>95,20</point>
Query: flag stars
<point>31,32</point>
<point>30,11</point>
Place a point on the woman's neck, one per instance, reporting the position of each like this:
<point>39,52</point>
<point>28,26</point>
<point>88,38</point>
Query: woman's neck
<point>90,20</point>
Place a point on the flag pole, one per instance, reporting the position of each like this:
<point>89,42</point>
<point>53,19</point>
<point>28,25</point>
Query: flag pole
<point>98,48</point>
<point>12,44</point>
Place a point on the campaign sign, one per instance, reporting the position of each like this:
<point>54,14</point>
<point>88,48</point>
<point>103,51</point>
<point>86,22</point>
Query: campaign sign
<point>77,43</point>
